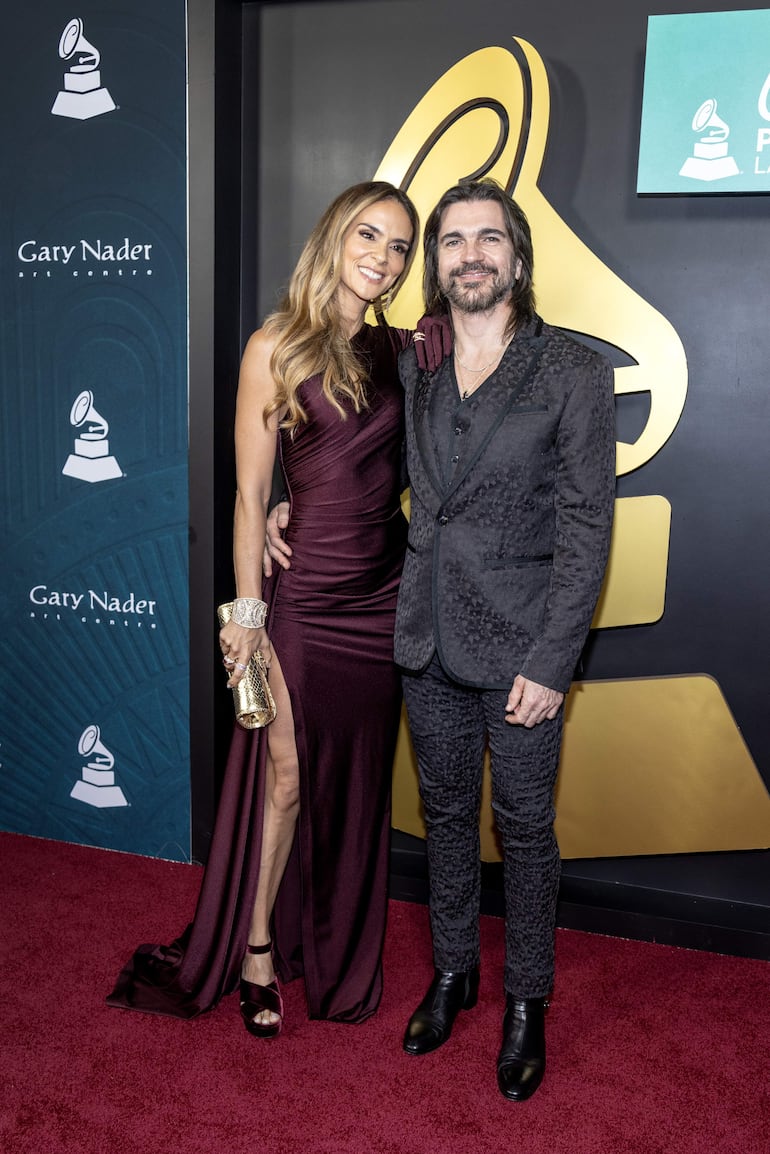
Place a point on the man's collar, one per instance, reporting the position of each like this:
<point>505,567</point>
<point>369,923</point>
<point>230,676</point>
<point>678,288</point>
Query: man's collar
<point>530,329</point>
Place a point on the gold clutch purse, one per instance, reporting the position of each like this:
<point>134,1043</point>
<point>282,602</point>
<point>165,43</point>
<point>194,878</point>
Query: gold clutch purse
<point>254,705</point>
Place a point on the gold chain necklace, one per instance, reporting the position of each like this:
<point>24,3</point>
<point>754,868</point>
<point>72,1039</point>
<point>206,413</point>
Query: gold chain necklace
<point>468,369</point>
<point>465,393</point>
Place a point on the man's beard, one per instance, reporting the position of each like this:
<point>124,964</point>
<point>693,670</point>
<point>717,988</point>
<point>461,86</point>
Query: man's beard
<point>478,298</point>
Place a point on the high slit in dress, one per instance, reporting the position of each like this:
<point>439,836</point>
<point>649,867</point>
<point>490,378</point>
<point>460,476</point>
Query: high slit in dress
<point>331,619</point>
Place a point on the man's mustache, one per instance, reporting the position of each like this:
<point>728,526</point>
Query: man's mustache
<point>472,266</point>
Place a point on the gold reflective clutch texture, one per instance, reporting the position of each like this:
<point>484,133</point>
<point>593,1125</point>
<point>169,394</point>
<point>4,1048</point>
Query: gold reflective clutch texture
<point>254,705</point>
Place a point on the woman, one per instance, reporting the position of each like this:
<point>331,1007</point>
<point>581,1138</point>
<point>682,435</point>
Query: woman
<point>296,878</point>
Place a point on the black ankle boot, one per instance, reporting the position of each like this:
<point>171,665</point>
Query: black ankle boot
<point>431,1023</point>
<point>521,1063</point>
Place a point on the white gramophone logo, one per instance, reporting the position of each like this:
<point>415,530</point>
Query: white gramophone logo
<point>709,160</point>
<point>97,780</point>
<point>82,96</point>
<point>91,460</point>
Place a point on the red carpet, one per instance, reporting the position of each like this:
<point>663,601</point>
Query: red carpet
<point>652,1050</point>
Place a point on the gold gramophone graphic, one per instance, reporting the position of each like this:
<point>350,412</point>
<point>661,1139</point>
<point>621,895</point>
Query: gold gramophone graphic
<point>644,759</point>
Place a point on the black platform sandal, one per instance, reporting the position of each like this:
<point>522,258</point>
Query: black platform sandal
<point>256,999</point>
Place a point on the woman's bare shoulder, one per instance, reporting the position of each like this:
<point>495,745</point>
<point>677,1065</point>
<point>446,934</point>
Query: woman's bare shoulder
<point>260,347</point>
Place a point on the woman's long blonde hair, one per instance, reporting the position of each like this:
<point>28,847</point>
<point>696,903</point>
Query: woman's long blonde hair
<point>307,323</point>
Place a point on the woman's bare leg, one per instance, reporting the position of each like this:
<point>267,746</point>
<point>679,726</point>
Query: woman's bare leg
<point>280,821</point>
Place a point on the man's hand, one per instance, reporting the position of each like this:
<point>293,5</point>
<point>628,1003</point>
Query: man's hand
<point>276,548</point>
<point>529,703</point>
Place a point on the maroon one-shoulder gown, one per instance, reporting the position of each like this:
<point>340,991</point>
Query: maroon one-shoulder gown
<point>331,622</point>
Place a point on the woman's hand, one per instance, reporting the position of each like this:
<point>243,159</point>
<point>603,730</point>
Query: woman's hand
<point>433,341</point>
<point>238,644</point>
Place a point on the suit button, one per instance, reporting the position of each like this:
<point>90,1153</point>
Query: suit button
<point>458,431</point>
<point>443,519</point>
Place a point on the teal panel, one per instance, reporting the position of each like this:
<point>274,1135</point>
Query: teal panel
<point>706,109</point>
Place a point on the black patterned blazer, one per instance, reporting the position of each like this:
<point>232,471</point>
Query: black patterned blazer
<point>506,557</point>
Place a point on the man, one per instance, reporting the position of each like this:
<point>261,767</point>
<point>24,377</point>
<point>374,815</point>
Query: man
<point>510,452</point>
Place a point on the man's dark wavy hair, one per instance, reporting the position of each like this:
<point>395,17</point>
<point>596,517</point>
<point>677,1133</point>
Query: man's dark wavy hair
<point>517,227</point>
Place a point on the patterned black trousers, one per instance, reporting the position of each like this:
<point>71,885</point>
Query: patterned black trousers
<point>451,725</point>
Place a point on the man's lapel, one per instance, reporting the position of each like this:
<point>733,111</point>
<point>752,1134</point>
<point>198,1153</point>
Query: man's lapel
<point>422,408</point>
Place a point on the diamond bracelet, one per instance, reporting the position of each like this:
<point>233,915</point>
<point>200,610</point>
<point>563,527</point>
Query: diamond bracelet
<point>249,612</point>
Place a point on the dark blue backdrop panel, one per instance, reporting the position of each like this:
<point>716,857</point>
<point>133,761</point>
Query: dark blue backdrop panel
<point>93,534</point>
